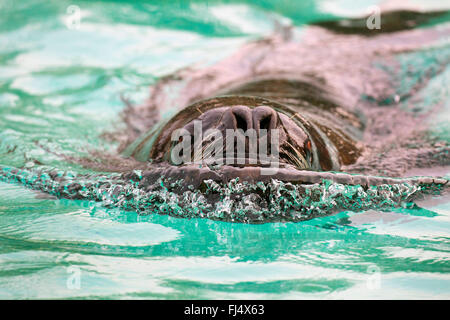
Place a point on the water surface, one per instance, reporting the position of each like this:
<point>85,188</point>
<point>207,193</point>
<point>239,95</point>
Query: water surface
<point>60,87</point>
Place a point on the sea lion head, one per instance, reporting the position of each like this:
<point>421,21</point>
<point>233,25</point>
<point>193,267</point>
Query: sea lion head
<point>255,123</point>
<point>226,123</point>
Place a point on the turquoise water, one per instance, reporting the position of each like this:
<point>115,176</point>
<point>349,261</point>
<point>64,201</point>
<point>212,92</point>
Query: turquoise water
<point>60,87</point>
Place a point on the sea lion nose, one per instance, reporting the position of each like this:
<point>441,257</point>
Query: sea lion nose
<point>245,118</point>
<point>264,118</point>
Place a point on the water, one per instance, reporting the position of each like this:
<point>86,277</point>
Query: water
<point>60,88</point>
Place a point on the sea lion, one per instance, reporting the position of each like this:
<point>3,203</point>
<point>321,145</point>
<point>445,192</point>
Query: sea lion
<point>316,133</point>
<point>333,108</point>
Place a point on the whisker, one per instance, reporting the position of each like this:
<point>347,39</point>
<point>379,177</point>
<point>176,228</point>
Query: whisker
<point>300,158</point>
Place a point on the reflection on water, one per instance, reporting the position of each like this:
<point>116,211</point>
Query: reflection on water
<point>121,254</point>
<point>61,88</point>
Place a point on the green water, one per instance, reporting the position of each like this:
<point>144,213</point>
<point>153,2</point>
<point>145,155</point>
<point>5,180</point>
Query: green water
<point>60,88</point>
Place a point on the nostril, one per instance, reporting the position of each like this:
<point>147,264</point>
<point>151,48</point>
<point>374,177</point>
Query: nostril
<point>264,118</point>
<point>265,123</point>
<point>242,118</point>
<point>241,123</point>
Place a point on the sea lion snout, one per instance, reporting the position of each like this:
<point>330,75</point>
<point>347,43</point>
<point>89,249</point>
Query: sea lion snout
<point>263,131</point>
<point>304,139</point>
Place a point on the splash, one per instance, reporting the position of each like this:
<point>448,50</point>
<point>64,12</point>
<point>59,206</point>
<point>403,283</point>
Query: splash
<point>233,201</point>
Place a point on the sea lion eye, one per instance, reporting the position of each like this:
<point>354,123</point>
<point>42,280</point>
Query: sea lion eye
<point>308,148</point>
<point>308,145</point>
